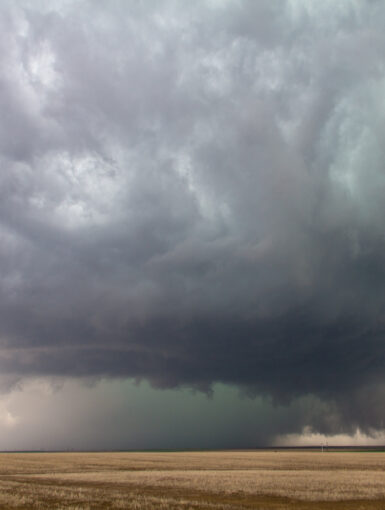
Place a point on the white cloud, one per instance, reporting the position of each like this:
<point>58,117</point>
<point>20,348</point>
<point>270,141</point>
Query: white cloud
<point>309,438</point>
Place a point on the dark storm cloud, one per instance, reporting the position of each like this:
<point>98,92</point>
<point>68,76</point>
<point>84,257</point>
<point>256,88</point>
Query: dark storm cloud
<point>194,193</point>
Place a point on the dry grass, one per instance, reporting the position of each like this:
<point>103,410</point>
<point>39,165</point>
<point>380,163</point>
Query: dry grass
<point>193,480</point>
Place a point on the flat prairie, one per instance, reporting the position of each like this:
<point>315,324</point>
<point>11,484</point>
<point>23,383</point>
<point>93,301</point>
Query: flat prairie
<point>223,480</point>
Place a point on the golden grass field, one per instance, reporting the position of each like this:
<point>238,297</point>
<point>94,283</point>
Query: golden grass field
<point>233,480</point>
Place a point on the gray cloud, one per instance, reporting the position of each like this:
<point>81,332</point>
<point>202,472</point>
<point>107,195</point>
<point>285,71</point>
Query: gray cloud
<point>193,194</point>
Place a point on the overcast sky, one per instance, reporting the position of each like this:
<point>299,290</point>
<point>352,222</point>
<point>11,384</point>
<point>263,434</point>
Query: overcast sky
<point>192,241</point>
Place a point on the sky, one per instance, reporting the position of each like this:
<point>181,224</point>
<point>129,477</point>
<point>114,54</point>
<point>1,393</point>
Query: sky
<point>192,246</point>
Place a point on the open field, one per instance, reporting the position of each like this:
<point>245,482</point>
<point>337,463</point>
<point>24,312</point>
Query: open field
<point>266,480</point>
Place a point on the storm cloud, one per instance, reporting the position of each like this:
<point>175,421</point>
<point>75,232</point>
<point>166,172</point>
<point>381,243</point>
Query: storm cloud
<point>193,193</point>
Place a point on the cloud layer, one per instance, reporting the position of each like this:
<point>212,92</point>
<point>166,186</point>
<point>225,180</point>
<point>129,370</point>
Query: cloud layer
<point>193,194</point>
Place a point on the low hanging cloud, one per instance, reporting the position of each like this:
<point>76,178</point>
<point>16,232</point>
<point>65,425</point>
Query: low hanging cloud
<point>194,193</point>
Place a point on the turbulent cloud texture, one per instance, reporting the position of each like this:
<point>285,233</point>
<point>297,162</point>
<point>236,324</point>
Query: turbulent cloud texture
<point>193,192</point>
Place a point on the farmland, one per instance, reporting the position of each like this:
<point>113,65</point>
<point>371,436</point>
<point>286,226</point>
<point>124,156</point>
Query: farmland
<point>268,480</point>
